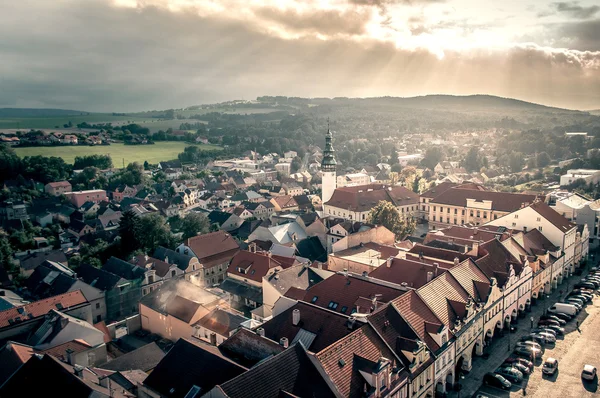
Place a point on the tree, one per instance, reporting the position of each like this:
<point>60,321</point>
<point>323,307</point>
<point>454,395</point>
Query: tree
<point>128,232</point>
<point>102,162</point>
<point>6,253</point>
<point>193,224</point>
<point>543,159</point>
<point>415,185</point>
<point>516,162</point>
<point>473,160</point>
<point>153,231</point>
<point>386,214</point>
<point>396,168</point>
<point>296,164</point>
<point>432,157</point>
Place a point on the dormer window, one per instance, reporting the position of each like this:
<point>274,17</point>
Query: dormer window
<point>444,339</point>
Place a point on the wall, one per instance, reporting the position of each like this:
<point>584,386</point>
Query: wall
<point>133,323</point>
<point>95,297</point>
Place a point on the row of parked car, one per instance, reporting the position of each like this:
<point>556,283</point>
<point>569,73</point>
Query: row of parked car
<point>531,347</point>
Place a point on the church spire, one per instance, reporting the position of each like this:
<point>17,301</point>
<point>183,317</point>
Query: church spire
<point>329,163</point>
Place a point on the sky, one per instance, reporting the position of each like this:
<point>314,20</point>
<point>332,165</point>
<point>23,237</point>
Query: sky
<point>133,55</point>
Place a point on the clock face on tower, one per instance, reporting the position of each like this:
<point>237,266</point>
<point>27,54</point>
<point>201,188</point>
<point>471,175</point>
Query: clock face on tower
<point>328,169</point>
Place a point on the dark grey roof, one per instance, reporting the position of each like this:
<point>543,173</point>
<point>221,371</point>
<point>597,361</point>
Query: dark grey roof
<point>45,282</point>
<point>311,248</point>
<point>98,278</point>
<point>191,364</point>
<point>33,260</point>
<point>181,260</point>
<point>218,217</point>
<point>123,269</point>
<point>243,290</point>
<point>144,358</point>
<point>248,348</point>
<point>291,373</point>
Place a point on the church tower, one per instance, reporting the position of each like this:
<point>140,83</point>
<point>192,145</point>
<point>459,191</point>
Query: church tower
<point>328,166</point>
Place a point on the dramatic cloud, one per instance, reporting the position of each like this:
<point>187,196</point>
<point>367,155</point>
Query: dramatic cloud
<point>577,11</point>
<point>127,55</point>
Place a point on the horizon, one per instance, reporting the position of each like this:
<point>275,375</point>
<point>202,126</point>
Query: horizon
<point>125,55</point>
<point>295,96</point>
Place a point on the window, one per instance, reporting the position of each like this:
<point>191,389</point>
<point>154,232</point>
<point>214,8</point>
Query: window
<point>455,211</point>
<point>448,211</point>
<point>539,219</point>
<point>97,306</point>
<point>344,309</point>
<point>471,213</point>
<point>478,213</point>
<point>433,208</point>
<point>173,273</point>
<point>463,212</point>
<point>540,228</point>
<point>441,208</point>
<point>495,216</point>
<point>314,299</point>
<point>433,218</point>
<point>455,221</point>
<point>516,216</point>
<point>98,318</point>
<point>332,305</point>
<point>485,214</point>
<point>514,224</point>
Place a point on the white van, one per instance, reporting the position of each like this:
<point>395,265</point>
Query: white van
<point>564,308</point>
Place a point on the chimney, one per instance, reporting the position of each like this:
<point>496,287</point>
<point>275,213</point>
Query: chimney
<point>456,261</point>
<point>296,317</point>
<point>365,274</point>
<point>429,276</point>
<point>350,323</point>
<point>283,342</point>
<point>260,332</point>
<point>213,338</point>
<point>69,353</point>
<point>252,247</point>
<point>145,257</point>
<point>475,230</point>
<point>78,370</point>
<point>388,263</point>
<point>437,266</point>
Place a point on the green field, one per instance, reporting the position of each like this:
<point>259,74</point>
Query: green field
<point>161,151</point>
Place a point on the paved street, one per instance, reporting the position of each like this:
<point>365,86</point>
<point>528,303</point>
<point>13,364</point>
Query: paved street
<point>575,350</point>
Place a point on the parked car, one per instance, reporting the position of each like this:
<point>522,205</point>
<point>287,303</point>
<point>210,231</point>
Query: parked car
<point>521,368</point>
<point>580,296</point>
<point>575,301</point>
<point>531,344</point>
<point>587,292</point>
<point>562,315</point>
<point>563,308</point>
<point>558,330</point>
<point>589,372</point>
<point>544,330</point>
<point>548,337</point>
<point>545,322</point>
<point>496,380</point>
<point>509,373</point>
<point>586,285</point>
<point>554,317</point>
<point>550,366</point>
<point>533,337</point>
<point>527,352</point>
<point>521,361</point>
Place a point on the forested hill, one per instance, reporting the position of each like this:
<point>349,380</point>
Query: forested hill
<point>34,112</point>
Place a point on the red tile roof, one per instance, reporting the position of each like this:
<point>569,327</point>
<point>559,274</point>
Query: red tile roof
<point>59,184</point>
<point>411,271</point>
<point>501,201</point>
<point>285,201</point>
<point>438,189</point>
<point>365,197</point>
<point>328,326</point>
<point>60,351</point>
<point>255,265</point>
<point>472,279</point>
<point>12,356</point>
<point>361,344</point>
<point>214,248</point>
<point>347,290</point>
<point>495,261</point>
<point>553,217</point>
<point>42,307</point>
<point>221,322</point>
<point>182,308</point>
<point>159,266</point>
<point>445,297</point>
<point>437,253</point>
<point>465,235</point>
<point>420,317</point>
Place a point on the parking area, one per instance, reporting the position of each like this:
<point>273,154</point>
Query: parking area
<point>579,346</point>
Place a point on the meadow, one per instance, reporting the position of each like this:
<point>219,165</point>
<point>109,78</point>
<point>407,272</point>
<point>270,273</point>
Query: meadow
<point>120,153</point>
